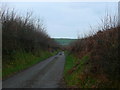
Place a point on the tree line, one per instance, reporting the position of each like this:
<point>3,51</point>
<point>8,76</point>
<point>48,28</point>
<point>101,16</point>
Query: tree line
<point>24,33</point>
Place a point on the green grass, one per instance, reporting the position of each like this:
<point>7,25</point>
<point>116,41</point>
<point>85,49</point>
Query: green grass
<point>70,61</point>
<point>74,79</point>
<point>22,60</point>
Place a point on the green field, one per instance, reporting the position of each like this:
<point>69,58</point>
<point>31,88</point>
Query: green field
<point>64,41</point>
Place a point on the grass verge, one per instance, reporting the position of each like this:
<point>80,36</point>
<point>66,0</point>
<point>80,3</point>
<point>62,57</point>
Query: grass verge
<point>77,74</point>
<point>73,72</point>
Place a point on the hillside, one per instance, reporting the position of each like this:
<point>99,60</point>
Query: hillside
<point>64,41</point>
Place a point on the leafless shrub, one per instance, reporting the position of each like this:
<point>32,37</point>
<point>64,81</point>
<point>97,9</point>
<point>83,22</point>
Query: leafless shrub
<point>23,33</point>
<point>103,48</point>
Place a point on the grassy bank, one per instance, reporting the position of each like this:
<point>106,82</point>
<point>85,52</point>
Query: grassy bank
<point>98,64</point>
<point>77,74</point>
<point>21,60</point>
<point>73,72</point>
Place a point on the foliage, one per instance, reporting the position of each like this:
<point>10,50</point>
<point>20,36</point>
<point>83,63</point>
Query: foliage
<point>23,33</point>
<point>103,66</point>
<point>24,41</point>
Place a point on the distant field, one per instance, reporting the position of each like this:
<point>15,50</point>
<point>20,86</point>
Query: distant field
<point>64,41</point>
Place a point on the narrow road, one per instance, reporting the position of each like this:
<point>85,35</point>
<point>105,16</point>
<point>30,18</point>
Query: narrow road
<point>46,74</point>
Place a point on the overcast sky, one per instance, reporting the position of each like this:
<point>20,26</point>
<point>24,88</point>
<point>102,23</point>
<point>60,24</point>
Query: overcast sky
<point>67,19</point>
